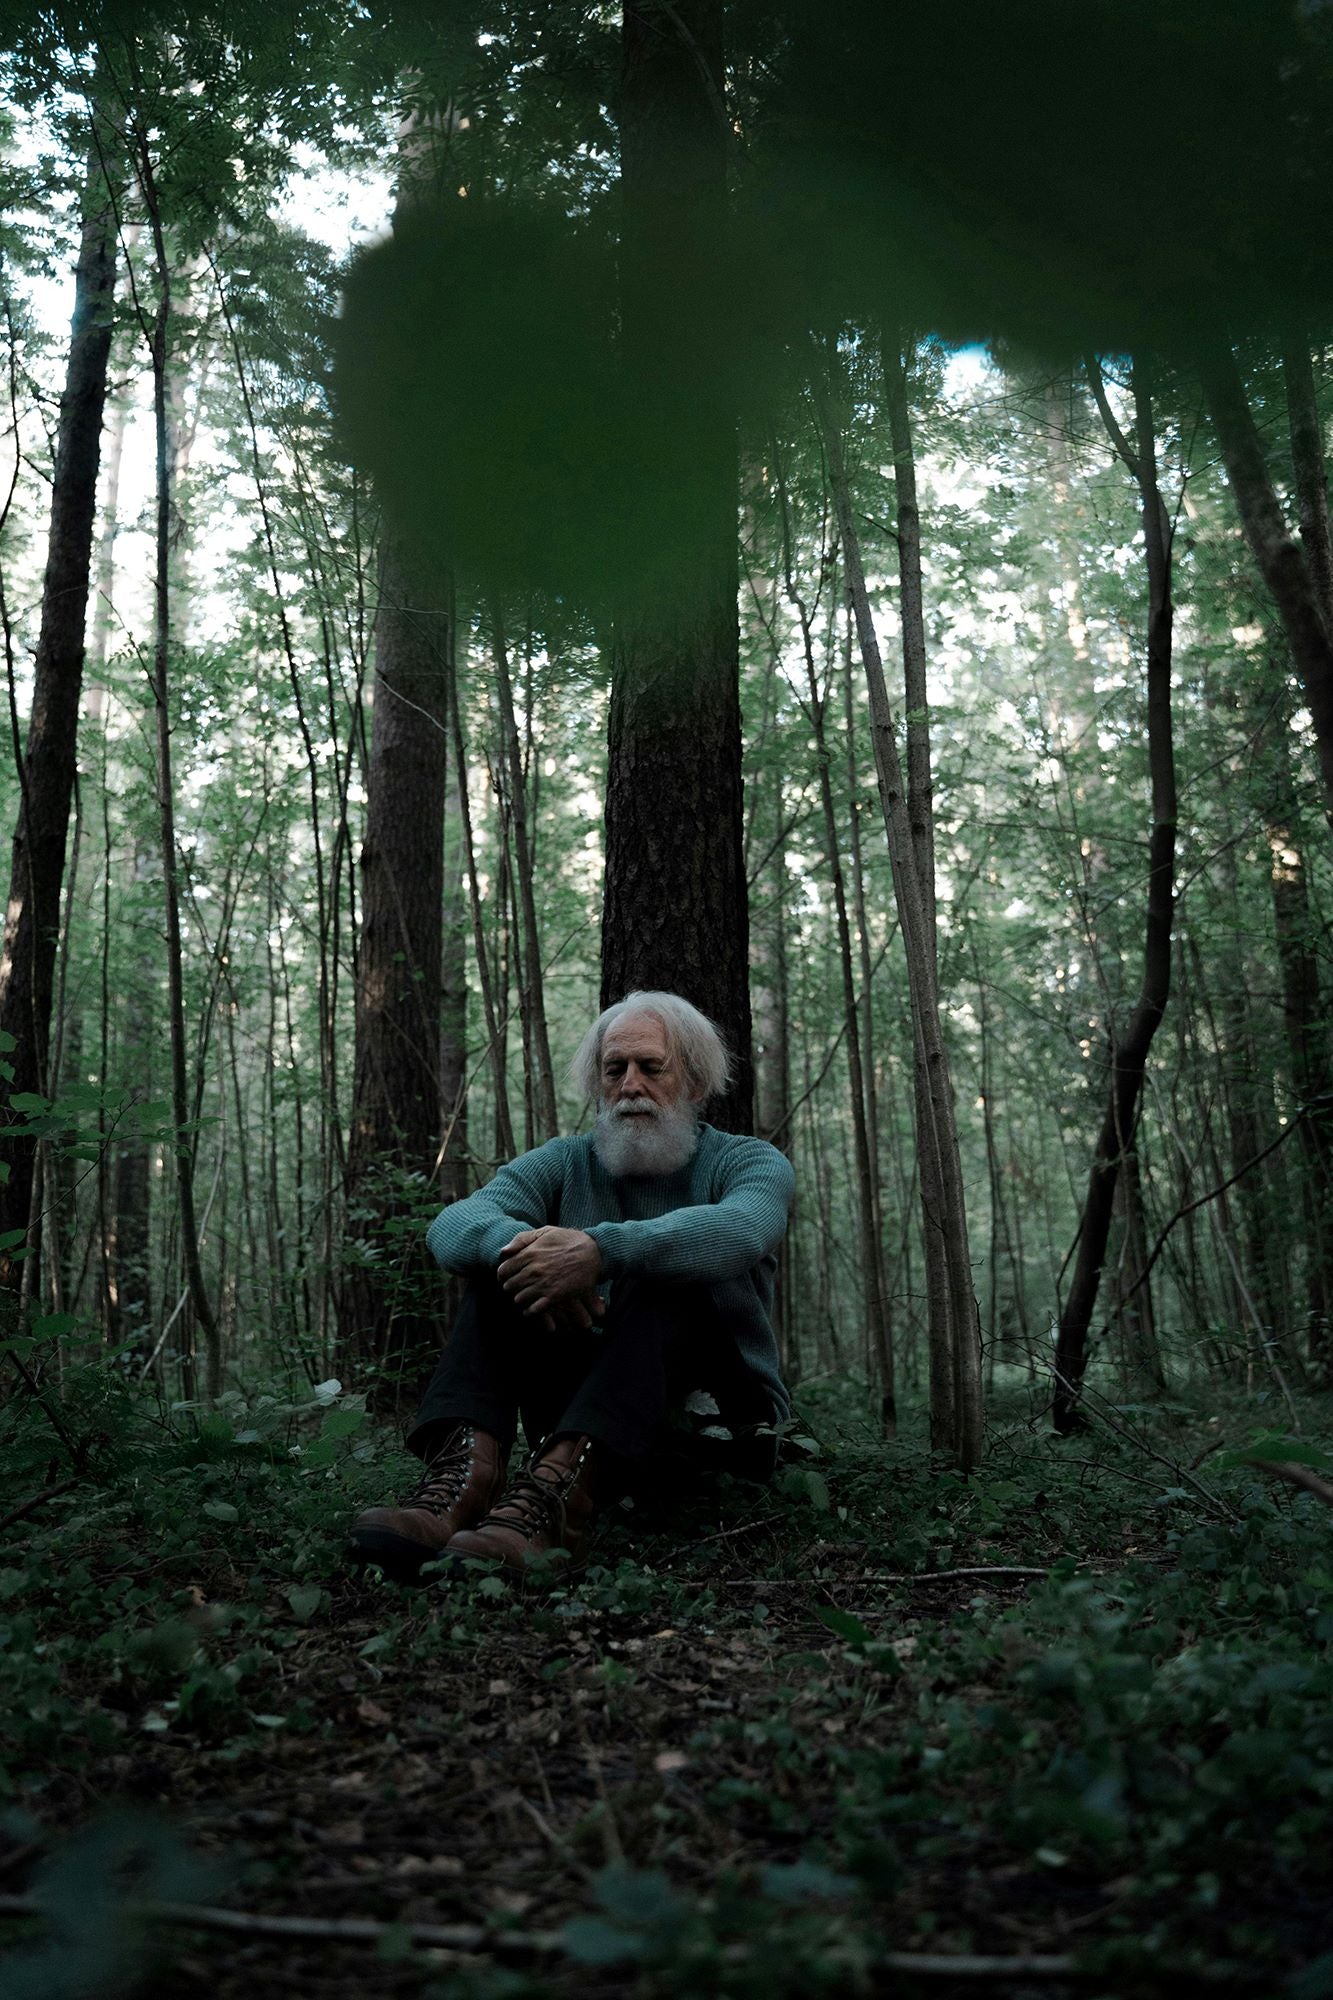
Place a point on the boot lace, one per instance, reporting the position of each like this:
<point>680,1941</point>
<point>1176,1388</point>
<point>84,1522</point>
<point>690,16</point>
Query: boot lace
<point>535,1500</point>
<point>441,1485</point>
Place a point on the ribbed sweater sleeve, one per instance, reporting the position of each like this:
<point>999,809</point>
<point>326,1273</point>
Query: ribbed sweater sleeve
<point>469,1235</point>
<point>709,1242</point>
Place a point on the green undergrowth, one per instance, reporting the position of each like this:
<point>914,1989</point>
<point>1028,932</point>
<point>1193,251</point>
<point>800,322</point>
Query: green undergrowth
<point>813,1742</point>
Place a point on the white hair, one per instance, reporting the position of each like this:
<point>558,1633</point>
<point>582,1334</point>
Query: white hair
<point>693,1040</point>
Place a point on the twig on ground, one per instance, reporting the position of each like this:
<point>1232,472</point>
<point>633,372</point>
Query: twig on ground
<point>508,1943</point>
<point>722,1535</point>
<point>877,1576</point>
<point>37,1500</point>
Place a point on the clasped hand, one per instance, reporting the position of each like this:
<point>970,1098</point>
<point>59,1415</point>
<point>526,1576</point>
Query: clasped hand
<point>551,1274</point>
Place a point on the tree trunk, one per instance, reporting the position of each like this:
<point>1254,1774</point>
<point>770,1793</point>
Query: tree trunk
<point>532,997</point>
<point>453,996</point>
<point>32,921</point>
<point>921,818</point>
<point>937,1134</point>
<point>1307,461</point>
<point>1281,559</point>
<point>879,1332</point>
<point>675,910</point>
<point>182,1146</point>
<point>504,1125</point>
<point>384,1309</point>
<point>1129,1052</point>
<point>1306,1027</point>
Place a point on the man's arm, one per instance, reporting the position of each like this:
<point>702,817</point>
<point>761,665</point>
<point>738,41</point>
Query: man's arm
<point>470,1235</point>
<point>709,1241</point>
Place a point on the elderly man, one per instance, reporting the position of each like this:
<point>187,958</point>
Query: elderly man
<point>611,1275</point>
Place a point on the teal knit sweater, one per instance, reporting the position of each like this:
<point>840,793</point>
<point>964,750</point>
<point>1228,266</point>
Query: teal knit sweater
<point>718,1221</point>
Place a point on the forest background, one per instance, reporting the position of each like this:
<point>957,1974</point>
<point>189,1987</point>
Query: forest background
<point>537,502</point>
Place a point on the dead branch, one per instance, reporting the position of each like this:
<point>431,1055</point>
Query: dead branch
<point>1295,1475</point>
<point>37,1500</point>
<point>876,1576</point>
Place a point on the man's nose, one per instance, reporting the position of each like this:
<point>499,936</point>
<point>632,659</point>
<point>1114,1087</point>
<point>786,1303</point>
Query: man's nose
<point>632,1084</point>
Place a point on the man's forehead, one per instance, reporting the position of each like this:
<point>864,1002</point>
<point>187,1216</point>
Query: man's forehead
<point>635,1034</point>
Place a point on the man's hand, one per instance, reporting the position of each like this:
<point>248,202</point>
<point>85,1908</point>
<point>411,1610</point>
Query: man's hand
<point>552,1273</point>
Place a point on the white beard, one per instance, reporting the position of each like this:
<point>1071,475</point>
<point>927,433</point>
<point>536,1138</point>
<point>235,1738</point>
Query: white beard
<point>639,1138</point>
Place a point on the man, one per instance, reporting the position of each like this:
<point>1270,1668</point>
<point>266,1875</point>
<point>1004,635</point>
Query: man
<point>611,1276</point>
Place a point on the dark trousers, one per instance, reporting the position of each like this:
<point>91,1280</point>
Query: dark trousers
<point>621,1383</point>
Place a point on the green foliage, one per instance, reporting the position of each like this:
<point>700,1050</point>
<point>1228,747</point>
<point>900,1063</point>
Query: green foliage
<point>1123,1738</point>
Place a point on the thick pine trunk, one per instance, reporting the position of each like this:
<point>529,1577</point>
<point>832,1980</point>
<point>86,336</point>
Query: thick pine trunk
<point>32,921</point>
<point>1129,1052</point>
<point>386,1309</point>
<point>675,911</point>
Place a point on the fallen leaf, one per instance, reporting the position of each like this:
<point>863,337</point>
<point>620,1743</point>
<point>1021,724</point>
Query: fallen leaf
<point>370,1711</point>
<point>670,1760</point>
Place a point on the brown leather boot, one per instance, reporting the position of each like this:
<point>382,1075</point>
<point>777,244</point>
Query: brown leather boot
<point>546,1513</point>
<point>459,1483</point>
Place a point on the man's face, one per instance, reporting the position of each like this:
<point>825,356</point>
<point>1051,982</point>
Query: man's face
<point>638,1067</point>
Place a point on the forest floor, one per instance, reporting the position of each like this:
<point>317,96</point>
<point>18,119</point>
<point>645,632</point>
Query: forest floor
<point>1063,1728</point>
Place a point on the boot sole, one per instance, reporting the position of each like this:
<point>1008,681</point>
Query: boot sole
<point>399,1557</point>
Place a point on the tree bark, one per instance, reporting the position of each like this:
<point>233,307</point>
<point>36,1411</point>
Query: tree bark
<point>1305,1023</point>
<point>675,910</point>
<point>1129,1052</point>
<point>395,1129</point>
<point>32,920</point>
<point>1307,462</point>
<point>1281,559</point>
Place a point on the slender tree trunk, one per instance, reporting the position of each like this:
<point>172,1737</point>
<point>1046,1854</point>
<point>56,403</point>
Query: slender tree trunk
<point>202,1314</point>
<point>32,919</point>
<point>674,913</point>
<point>532,998</point>
<point>453,990</point>
<point>879,1333</point>
<point>937,1134</point>
<point>1286,567</point>
<point>921,819</point>
<point>504,1125</point>
<point>1306,1028</point>
<point>1129,1053</point>
<point>860,907</point>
